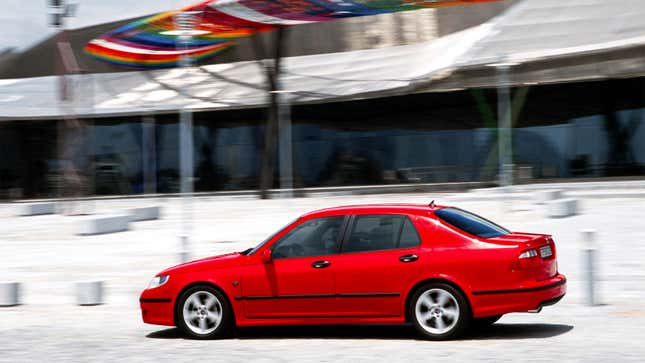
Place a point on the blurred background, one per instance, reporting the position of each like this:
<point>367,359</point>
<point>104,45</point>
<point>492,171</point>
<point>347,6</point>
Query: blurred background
<point>528,112</point>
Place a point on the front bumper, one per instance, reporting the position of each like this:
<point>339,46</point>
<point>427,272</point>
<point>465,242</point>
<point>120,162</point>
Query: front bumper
<point>522,299</point>
<point>157,310</point>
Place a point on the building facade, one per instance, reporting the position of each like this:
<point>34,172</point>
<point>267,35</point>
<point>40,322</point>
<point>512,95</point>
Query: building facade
<point>573,130</point>
<point>420,113</point>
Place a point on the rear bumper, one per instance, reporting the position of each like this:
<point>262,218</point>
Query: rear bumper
<point>550,302</point>
<point>521,299</point>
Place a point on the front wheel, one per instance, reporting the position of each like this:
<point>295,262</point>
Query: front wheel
<point>204,313</point>
<point>439,311</point>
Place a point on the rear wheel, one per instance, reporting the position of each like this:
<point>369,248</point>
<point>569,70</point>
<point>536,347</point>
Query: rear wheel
<point>486,321</point>
<point>203,312</point>
<point>439,311</point>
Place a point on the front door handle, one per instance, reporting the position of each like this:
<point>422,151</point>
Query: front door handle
<point>320,264</point>
<point>408,258</point>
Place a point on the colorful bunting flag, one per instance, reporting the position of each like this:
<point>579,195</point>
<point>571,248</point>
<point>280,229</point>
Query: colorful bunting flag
<point>154,42</point>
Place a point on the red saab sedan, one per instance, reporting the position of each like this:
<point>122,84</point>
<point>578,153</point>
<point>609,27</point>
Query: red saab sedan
<point>440,268</point>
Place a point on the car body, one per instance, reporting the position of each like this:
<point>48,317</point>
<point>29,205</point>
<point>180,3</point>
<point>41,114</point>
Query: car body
<point>365,264</point>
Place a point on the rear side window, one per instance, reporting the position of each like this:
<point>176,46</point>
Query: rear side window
<point>381,232</point>
<point>471,223</point>
<point>409,235</point>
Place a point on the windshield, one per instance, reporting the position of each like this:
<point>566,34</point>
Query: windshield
<point>471,223</point>
<point>251,251</point>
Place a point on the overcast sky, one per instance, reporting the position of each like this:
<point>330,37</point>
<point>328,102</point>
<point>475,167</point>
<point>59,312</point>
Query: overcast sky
<point>25,22</point>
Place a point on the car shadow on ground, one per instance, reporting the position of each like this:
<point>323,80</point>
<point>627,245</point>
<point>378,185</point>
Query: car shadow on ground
<point>385,332</point>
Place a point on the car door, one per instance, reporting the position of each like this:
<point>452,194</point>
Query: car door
<point>299,280</point>
<point>381,254</point>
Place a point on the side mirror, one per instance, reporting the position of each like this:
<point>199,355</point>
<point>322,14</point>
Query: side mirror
<point>266,256</point>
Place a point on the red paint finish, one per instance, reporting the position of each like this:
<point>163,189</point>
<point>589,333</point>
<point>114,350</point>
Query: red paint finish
<point>290,278</point>
<point>338,286</point>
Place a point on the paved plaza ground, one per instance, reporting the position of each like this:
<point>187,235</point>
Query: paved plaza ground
<point>46,255</point>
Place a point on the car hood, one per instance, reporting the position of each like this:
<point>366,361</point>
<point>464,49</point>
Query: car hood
<point>213,262</point>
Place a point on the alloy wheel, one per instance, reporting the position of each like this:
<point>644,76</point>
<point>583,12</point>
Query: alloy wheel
<point>437,311</point>
<point>202,312</point>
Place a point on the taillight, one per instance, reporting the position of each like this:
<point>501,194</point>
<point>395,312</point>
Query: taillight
<point>551,244</point>
<point>528,254</point>
<point>527,259</point>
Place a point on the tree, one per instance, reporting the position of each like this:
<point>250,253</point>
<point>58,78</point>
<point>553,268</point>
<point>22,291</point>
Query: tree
<point>272,69</point>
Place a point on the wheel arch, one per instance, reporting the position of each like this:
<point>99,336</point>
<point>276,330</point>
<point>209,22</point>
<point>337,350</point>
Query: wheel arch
<point>202,283</point>
<point>440,280</point>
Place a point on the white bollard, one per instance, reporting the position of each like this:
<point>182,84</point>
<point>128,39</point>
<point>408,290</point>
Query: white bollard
<point>184,256</point>
<point>543,196</point>
<point>184,252</point>
<point>103,224</point>
<point>9,293</point>
<point>561,208</point>
<point>589,264</point>
<point>36,209</point>
<point>89,293</point>
<point>144,213</point>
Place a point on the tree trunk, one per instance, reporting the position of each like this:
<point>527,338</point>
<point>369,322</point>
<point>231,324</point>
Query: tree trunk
<point>271,132</point>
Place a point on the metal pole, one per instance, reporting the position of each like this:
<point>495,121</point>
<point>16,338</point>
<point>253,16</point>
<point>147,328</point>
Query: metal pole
<point>286,143</point>
<point>589,263</point>
<point>55,12</point>
<point>149,155</point>
<point>184,23</point>
<point>91,152</point>
<point>66,143</point>
<point>185,159</point>
<point>505,135</point>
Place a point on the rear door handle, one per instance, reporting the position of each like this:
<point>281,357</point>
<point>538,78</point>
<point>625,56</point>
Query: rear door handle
<point>320,264</point>
<point>408,258</point>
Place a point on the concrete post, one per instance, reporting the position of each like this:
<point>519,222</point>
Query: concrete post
<point>544,196</point>
<point>589,252</point>
<point>36,209</point>
<point>561,208</point>
<point>9,293</point>
<point>89,293</point>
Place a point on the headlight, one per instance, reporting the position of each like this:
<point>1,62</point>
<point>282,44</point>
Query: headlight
<point>158,281</point>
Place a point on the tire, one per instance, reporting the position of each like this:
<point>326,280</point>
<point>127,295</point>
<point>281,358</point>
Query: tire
<point>439,311</point>
<point>479,323</point>
<point>202,312</point>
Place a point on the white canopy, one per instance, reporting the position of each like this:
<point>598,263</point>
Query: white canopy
<point>547,40</point>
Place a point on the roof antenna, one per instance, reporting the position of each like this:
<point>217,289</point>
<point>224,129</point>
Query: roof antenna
<point>432,205</point>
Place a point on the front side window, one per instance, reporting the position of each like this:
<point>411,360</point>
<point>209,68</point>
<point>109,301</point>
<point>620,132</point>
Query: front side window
<point>471,223</point>
<point>253,250</point>
<point>315,237</point>
<point>381,232</point>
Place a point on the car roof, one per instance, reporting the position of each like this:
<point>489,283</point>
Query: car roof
<point>421,209</point>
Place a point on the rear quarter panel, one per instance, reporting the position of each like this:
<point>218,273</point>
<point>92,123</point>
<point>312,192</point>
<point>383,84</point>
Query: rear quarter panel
<point>464,260</point>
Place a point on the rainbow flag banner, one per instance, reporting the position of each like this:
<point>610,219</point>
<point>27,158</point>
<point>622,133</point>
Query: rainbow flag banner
<point>154,42</point>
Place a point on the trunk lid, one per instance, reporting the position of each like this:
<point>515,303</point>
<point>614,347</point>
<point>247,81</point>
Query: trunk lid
<point>542,265</point>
